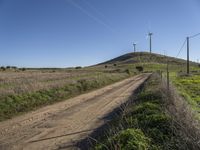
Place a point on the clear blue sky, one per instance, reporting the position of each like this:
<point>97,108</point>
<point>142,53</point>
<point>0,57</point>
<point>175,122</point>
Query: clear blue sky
<point>63,33</point>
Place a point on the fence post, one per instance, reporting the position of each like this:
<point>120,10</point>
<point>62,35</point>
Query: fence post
<point>167,75</point>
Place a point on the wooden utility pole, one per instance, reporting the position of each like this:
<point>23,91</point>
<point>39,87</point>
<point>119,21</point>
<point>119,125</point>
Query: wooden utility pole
<point>188,57</point>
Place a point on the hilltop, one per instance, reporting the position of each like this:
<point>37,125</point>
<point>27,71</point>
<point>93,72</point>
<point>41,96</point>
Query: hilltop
<point>149,61</point>
<point>145,57</point>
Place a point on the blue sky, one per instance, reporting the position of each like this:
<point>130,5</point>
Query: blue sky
<point>64,33</point>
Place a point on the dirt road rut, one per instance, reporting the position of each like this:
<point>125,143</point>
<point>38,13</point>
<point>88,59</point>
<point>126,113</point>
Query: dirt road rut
<point>62,124</point>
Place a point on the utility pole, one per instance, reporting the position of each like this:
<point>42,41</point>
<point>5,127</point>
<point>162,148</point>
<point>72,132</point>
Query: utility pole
<point>150,44</point>
<point>134,45</point>
<point>188,57</point>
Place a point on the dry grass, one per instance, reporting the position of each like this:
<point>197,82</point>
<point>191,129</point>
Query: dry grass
<point>28,90</point>
<point>12,83</point>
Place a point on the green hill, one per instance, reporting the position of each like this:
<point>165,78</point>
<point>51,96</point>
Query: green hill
<point>150,62</point>
<point>145,57</point>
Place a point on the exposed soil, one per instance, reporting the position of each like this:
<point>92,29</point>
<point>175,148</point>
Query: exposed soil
<point>67,122</point>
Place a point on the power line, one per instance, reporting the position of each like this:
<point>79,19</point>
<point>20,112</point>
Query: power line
<point>193,36</point>
<point>181,48</point>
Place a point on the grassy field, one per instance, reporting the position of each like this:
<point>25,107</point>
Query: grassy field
<point>189,88</point>
<point>23,91</point>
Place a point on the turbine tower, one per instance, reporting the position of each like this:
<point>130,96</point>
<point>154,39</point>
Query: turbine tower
<point>134,45</point>
<point>150,44</point>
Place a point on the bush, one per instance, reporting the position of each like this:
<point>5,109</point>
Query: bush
<point>106,66</point>
<point>128,71</point>
<point>139,68</point>
<point>78,67</point>
<point>23,69</point>
<point>131,139</point>
<point>84,86</point>
<point>13,67</point>
<point>3,68</point>
<point>115,65</point>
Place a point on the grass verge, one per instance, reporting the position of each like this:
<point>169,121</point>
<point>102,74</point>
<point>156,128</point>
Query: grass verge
<point>189,88</point>
<point>150,123</point>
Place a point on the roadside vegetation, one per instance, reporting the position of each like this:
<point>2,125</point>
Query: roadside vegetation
<point>24,91</point>
<point>189,89</point>
<point>153,120</point>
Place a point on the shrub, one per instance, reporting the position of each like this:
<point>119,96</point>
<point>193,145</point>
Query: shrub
<point>127,71</point>
<point>106,66</point>
<point>78,67</point>
<point>115,65</point>
<point>3,68</point>
<point>139,68</point>
<point>83,85</point>
<point>13,67</point>
<point>23,69</point>
<point>131,139</point>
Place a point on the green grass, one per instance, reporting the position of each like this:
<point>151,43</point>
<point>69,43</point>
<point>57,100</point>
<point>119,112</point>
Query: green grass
<point>144,125</point>
<point>12,105</point>
<point>189,88</point>
<point>131,139</point>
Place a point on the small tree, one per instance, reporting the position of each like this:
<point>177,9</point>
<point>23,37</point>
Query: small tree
<point>8,67</point>
<point>23,69</point>
<point>3,68</point>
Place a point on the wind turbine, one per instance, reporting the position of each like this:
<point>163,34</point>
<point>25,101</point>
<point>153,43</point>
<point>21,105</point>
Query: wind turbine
<point>134,45</point>
<point>150,41</point>
<point>149,35</point>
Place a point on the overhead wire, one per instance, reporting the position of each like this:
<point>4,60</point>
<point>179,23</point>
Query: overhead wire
<point>181,48</point>
<point>193,36</point>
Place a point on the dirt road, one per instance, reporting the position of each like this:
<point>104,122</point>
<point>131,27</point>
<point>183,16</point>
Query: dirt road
<point>64,123</point>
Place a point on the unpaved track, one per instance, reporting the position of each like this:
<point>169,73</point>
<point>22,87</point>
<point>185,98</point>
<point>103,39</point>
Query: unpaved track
<point>64,123</point>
